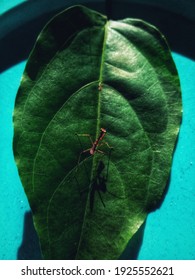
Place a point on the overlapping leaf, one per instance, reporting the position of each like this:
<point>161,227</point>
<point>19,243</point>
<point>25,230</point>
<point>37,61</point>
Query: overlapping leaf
<point>85,73</point>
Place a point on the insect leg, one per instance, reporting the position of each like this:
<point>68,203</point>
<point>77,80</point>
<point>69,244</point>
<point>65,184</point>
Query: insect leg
<point>84,151</point>
<point>105,143</point>
<point>101,152</point>
<point>85,135</point>
<point>81,155</point>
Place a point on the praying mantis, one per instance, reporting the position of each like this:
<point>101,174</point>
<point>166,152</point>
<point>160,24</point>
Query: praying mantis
<point>98,142</point>
<point>98,183</point>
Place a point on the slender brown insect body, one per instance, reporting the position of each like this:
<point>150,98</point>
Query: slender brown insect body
<point>95,144</point>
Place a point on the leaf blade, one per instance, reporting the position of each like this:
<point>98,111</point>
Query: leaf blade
<point>77,86</point>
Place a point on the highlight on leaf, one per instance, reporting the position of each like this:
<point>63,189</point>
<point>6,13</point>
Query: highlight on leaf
<point>96,119</point>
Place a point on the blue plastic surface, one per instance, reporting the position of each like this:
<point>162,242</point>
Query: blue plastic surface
<point>169,231</point>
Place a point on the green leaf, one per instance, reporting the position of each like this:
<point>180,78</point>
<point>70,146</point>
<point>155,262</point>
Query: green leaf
<point>86,73</point>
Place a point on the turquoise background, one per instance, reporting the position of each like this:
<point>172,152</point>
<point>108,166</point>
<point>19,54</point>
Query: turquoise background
<point>169,231</point>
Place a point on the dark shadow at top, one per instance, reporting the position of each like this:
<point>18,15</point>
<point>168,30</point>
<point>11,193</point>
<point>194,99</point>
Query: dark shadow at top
<point>178,30</point>
<point>20,26</point>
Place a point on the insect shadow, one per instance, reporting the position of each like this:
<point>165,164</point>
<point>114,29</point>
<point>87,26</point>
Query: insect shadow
<point>98,183</point>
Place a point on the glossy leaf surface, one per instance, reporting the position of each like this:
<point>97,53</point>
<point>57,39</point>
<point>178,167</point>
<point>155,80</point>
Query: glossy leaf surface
<point>86,73</point>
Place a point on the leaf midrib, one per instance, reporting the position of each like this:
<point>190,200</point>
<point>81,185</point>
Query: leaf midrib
<point>97,128</point>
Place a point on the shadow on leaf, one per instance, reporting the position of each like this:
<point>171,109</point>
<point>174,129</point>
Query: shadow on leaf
<point>29,249</point>
<point>20,26</point>
<point>131,251</point>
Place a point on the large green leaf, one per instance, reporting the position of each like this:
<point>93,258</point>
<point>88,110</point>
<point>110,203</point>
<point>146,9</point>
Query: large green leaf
<point>87,73</point>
